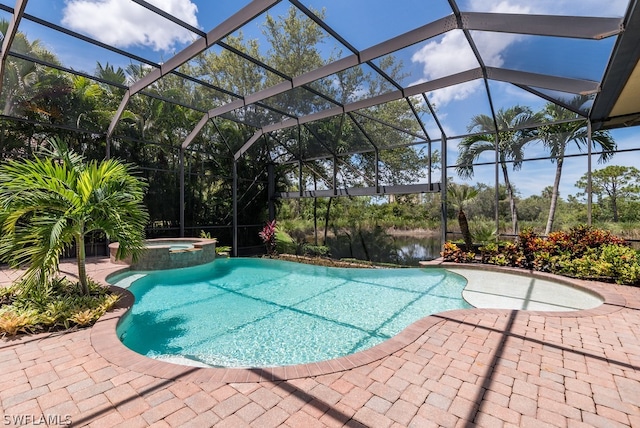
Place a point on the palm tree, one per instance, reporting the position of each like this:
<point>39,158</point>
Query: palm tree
<point>87,95</point>
<point>21,76</point>
<point>459,196</point>
<point>51,203</point>
<point>513,135</point>
<point>558,136</point>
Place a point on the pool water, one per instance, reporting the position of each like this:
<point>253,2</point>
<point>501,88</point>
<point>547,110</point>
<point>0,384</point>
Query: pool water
<point>173,246</point>
<point>259,312</point>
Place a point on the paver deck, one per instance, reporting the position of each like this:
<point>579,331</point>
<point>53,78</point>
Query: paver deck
<point>477,367</point>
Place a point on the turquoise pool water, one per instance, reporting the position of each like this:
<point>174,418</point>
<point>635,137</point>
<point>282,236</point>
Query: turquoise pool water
<point>173,246</point>
<point>258,312</point>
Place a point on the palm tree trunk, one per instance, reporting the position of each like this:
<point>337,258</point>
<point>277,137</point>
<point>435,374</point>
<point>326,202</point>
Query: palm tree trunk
<point>554,196</point>
<point>464,229</point>
<point>82,268</point>
<point>315,221</point>
<point>315,213</point>
<point>512,199</point>
<point>326,222</point>
<point>364,244</point>
<point>8,104</point>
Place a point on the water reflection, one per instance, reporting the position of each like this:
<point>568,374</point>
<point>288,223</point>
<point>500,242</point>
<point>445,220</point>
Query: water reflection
<point>379,246</point>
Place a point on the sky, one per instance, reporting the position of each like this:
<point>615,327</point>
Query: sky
<point>364,23</point>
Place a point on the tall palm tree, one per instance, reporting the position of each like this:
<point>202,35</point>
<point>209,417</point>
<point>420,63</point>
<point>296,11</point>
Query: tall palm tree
<point>513,135</point>
<point>559,136</point>
<point>51,203</point>
<point>21,76</point>
<point>459,195</point>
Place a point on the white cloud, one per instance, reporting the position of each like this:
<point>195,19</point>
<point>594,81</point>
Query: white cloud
<point>614,8</point>
<point>453,54</point>
<point>123,23</point>
<point>444,96</point>
<point>501,6</point>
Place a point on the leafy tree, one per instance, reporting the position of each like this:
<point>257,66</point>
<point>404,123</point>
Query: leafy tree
<point>531,208</point>
<point>294,42</point>
<point>49,204</point>
<point>232,72</point>
<point>616,183</point>
<point>559,136</point>
<point>512,136</point>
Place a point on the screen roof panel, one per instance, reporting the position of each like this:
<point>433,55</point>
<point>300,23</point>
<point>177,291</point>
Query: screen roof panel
<point>384,19</point>
<point>448,49</point>
<point>574,58</point>
<point>613,8</point>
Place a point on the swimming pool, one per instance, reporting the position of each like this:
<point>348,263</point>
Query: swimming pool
<point>259,312</point>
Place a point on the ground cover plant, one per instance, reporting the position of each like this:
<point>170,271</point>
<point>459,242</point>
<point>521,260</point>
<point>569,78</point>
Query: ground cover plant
<point>581,252</point>
<point>58,305</point>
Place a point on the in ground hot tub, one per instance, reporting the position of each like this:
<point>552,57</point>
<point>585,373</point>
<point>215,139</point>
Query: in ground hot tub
<point>170,253</point>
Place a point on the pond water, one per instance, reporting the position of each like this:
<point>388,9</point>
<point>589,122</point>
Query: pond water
<point>379,246</point>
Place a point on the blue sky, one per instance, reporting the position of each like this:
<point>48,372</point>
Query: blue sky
<point>364,23</point>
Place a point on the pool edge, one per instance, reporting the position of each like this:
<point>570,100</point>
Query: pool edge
<point>105,341</point>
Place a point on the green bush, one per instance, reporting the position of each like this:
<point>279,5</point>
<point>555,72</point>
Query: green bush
<point>452,253</point>
<point>624,262</point>
<point>582,252</point>
<point>316,250</point>
<point>615,262</point>
<point>285,243</point>
<point>222,250</point>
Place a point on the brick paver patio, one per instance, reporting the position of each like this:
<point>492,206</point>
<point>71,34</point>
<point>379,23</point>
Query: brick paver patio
<point>473,367</point>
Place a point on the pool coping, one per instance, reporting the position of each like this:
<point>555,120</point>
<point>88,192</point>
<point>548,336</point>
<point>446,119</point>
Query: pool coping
<point>106,342</point>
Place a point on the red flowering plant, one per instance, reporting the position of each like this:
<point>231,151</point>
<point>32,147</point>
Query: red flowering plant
<point>268,236</point>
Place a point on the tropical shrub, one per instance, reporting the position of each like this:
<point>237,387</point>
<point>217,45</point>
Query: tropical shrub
<point>222,250</point>
<point>514,255</point>
<point>614,262</point>
<point>58,306</point>
<point>488,251</point>
<point>580,239</point>
<point>316,250</point>
<point>452,253</point>
<point>529,244</point>
<point>12,322</point>
<point>624,262</point>
<point>582,252</point>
